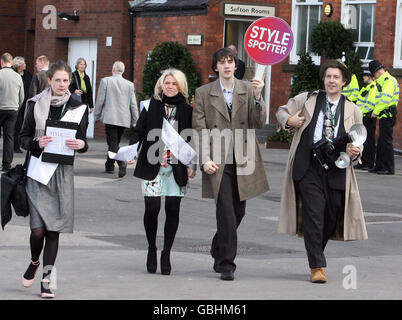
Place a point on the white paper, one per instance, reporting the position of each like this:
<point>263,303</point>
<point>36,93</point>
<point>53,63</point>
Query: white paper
<point>126,153</point>
<point>41,171</point>
<point>259,71</point>
<point>58,143</point>
<point>176,144</point>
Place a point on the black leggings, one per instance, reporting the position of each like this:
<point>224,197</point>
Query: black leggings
<point>37,239</point>
<point>152,208</point>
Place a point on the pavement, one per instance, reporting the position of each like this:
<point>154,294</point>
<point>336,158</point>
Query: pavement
<point>105,256</point>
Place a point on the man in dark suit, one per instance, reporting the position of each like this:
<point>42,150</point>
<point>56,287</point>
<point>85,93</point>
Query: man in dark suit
<point>39,80</point>
<point>241,67</point>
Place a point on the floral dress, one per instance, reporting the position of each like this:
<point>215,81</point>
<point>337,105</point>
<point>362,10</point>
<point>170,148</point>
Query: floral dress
<point>164,183</point>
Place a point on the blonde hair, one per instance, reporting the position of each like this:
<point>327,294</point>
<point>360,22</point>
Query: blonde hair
<point>79,60</point>
<point>180,78</point>
<point>43,59</point>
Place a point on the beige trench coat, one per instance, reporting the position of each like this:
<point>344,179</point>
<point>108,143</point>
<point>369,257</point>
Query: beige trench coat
<point>211,120</point>
<point>352,226</point>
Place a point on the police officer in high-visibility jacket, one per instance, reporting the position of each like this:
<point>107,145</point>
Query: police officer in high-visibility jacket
<point>351,91</point>
<point>385,110</point>
<point>366,101</point>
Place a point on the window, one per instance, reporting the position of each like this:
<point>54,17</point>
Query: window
<point>398,36</point>
<point>359,17</point>
<point>306,14</point>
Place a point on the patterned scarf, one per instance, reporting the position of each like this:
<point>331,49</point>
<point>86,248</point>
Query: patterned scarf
<point>43,101</point>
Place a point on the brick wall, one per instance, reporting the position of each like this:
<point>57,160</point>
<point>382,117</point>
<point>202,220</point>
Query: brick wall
<point>384,51</point>
<point>98,19</point>
<point>151,30</point>
<point>12,26</point>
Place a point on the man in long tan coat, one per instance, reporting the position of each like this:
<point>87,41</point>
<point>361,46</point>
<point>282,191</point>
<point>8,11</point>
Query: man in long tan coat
<point>224,116</point>
<point>317,202</point>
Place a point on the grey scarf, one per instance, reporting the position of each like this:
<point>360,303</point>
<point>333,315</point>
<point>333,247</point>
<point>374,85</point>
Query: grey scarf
<point>43,101</point>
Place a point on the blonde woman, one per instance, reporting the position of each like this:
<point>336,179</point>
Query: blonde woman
<point>164,177</point>
<point>81,85</point>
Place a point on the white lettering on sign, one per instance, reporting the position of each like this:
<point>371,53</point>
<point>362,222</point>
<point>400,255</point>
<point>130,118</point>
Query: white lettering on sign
<point>49,22</point>
<point>268,40</point>
<point>248,10</point>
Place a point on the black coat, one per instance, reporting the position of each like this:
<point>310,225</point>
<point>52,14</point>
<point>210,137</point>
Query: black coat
<point>86,97</point>
<point>28,128</point>
<point>153,119</point>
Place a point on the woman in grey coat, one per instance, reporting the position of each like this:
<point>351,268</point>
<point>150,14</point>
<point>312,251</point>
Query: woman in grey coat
<point>51,206</point>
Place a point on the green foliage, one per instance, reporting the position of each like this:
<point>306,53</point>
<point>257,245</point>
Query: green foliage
<point>329,39</point>
<point>355,66</point>
<point>305,77</point>
<point>169,55</point>
<point>281,136</point>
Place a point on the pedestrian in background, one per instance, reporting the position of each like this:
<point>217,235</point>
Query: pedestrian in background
<point>385,110</point>
<point>366,101</point>
<point>51,206</point>
<point>81,84</point>
<point>116,107</point>
<point>166,177</point>
<point>241,67</point>
<point>19,66</point>
<point>39,80</point>
<point>11,99</point>
<point>227,105</point>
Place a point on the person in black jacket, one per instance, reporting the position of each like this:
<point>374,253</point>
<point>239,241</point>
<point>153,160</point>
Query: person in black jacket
<point>81,84</point>
<point>162,174</point>
<point>51,204</point>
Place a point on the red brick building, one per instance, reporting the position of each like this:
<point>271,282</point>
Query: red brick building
<point>128,30</point>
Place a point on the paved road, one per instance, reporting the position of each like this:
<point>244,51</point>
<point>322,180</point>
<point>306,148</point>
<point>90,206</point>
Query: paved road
<point>105,257</point>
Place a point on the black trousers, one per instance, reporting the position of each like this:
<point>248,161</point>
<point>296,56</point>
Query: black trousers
<point>321,208</point>
<point>385,149</point>
<point>113,136</point>
<point>229,213</point>
<point>7,122</point>
<point>18,126</point>
<point>368,156</point>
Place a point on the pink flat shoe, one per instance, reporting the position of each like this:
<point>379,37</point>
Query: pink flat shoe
<point>33,267</point>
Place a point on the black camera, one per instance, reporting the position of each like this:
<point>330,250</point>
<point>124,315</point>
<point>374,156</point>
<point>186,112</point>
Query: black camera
<point>327,151</point>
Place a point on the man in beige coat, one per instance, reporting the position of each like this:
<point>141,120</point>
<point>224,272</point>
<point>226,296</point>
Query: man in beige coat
<point>321,203</point>
<point>224,116</point>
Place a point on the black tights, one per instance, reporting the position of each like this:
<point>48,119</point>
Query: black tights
<point>37,239</point>
<point>152,208</point>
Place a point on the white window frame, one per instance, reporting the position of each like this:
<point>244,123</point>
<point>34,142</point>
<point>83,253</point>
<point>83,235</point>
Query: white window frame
<point>358,44</point>
<point>294,57</point>
<point>398,36</point>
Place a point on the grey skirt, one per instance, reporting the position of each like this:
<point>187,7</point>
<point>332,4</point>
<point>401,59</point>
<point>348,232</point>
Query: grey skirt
<point>52,206</point>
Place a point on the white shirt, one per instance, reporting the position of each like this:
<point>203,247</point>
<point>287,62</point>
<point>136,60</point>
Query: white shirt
<point>320,121</point>
<point>227,94</point>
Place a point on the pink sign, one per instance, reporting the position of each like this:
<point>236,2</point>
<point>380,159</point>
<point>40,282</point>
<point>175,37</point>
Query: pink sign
<point>268,40</point>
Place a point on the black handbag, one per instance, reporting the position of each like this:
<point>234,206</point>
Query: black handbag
<point>13,192</point>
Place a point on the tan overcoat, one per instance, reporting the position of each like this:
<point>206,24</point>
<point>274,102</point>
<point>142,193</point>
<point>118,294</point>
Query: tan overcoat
<point>352,226</point>
<point>211,120</point>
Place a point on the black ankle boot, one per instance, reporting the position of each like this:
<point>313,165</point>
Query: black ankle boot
<point>165,263</point>
<point>151,261</point>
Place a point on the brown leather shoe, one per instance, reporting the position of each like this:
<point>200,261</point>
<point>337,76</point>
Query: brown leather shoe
<point>318,275</point>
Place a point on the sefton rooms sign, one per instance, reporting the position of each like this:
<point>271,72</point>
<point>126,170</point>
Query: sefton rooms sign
<point>250,10</point>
